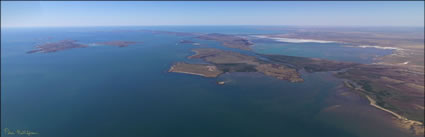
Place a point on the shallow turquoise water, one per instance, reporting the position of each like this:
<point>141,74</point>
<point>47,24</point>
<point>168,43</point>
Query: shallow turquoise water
<point>109,91</point>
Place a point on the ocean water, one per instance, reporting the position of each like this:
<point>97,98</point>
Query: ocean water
<point>106,91</point>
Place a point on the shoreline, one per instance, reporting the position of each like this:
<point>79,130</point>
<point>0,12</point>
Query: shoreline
<point>293,40</point>
<point>192,56</point>
<point>184,72</point>
<point>416,127</point>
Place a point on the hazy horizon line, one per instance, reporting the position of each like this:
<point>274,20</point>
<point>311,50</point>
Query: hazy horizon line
<point>333,26</point>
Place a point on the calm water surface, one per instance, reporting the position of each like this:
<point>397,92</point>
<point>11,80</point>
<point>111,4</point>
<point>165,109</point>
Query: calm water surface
<point>108,91</point>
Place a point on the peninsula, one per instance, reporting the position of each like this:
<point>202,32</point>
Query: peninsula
<point>227,61</point>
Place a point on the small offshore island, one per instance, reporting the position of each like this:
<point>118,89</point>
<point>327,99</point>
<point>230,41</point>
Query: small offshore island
<point>72,44</point>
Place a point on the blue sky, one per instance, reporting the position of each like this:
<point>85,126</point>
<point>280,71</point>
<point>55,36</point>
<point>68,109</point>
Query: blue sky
<point>92,13</point>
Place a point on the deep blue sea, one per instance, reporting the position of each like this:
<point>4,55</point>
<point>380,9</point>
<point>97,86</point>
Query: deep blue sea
<point>107,91</point>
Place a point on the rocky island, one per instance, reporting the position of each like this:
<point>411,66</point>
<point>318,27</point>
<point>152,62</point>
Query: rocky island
<point>57,46</point>
<point>72,44</point>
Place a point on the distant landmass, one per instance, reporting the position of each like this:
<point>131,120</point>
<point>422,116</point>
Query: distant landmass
<point>71,44</point>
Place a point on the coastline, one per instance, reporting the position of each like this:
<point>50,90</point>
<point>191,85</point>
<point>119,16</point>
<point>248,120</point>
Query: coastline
<point>192,56</point>
<point>415,127</point>
<point>293,40</point>
<point>184,72</point>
